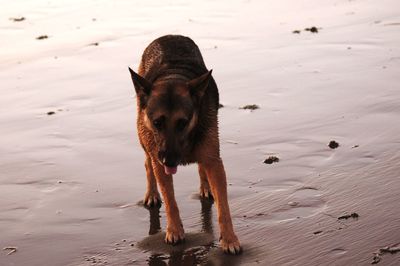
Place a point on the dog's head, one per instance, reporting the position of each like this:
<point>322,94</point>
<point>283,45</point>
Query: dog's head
<point>170,110</point>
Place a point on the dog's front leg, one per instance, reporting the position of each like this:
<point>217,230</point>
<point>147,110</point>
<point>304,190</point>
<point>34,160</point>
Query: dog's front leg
<point>174,232</point>
<point>152,197</point>
<point>217,180</point>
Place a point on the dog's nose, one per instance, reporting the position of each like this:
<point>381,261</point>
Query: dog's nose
<point>169,159</point>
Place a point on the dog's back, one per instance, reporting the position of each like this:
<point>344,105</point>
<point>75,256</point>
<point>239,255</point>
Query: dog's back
<point>171,52</point>
<point>176,55</point>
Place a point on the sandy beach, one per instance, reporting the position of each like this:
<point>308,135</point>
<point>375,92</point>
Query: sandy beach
<point>72,170</point>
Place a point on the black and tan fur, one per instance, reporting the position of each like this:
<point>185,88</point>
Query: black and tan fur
<point>177,123</point>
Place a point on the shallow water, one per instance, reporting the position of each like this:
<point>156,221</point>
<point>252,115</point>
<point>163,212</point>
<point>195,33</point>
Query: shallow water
<point>70,182</point>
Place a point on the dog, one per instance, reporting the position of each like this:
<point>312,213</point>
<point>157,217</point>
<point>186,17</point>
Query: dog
<point>177,124</point>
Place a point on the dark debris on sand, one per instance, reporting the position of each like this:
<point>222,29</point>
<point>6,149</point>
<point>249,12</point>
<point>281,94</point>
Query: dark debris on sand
<point>312,29</point>
<point>393,249</point>
<point>353,215</point>
<point>18,19</point>
<point>42,37</point>
<point>376,259</point>
<point>333,144</point>
<point>51,113</point>
<point>271,160</point>
<point>250,107</point>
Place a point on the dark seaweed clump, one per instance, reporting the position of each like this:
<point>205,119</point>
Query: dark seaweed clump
<point>42,37</point>
<point>333,144</point>
<point>18,19</point>
<point>271,160</point>
<point>382,251</point>
<point>312,29</point>
<point>250,107</point>
<point>354,215</point>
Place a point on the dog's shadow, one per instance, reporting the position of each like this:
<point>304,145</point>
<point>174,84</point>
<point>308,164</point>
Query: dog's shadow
<point>194,250</point>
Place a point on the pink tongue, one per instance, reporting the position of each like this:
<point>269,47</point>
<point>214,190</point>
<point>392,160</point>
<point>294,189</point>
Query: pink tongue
<point>170,170</point>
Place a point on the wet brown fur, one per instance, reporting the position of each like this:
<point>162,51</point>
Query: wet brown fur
<point>170,64</point>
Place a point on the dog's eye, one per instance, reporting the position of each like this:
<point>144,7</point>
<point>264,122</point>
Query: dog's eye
<point>158,123</point>
<point>181,124</point>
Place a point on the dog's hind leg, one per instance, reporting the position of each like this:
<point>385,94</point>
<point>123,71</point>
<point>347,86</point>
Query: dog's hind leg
<point>174,232</point>
<point>217,180</point>
<point>152,197</point>
<point>205,191</point>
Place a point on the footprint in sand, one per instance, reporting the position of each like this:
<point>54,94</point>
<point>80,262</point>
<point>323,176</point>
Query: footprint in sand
<point>302,203</point>
<point>336,252</point>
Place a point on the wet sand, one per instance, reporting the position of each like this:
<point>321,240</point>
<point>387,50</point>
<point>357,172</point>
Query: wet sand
<point>72,170</point>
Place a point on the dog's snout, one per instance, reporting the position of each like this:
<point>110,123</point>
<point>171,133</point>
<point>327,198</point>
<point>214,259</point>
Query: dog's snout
<point>168,158</point>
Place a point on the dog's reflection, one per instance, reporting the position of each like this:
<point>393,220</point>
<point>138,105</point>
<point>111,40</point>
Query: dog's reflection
<point>192,256</point>
<point>206,215</point>
<point>155,226</point>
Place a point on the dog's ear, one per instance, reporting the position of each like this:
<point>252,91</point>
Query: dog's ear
<point>142,86</point>
<point>199,85</point>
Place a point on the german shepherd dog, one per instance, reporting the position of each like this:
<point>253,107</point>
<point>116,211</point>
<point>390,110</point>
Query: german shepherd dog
<point>177,124</point>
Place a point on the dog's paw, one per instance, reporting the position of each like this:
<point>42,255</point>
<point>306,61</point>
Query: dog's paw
<point>205,193</point>
<point>174,236</point>
<point>231,247</point>
<point>152,200</point>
